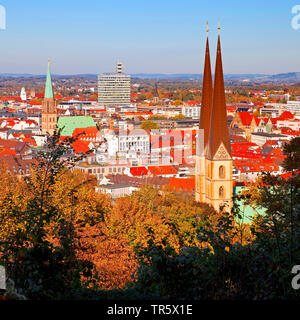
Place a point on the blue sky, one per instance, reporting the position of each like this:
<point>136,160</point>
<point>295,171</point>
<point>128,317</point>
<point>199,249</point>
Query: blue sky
<point>158,36</point>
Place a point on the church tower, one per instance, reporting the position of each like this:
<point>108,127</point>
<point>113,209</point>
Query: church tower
<point>217,190</point>
<point>204,125</point>
<point>49,114</point>
<point>218,159</point>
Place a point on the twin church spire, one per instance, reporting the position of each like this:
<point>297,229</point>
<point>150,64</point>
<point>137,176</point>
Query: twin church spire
<point>213,117</point>
<point>214,164</point>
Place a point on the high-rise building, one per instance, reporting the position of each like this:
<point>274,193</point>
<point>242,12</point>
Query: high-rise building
<point>49,114</point>
<point>114,88</point>
<point>23,94</point>
<point>214,183</point>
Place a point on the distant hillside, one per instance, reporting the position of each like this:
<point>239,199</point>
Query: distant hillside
<point>166,76</point>
<point>194,76</point>
<point>290,77</point>
<point>17,75</point>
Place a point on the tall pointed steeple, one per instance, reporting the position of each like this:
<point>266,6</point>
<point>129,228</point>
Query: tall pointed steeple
<point>49,114</point>
<point>218,133</point>
<point>204,127</point>
<point>48,88</point>
<point>207,93</point>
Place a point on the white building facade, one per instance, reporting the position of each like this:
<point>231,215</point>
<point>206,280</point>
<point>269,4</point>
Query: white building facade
<point>114,88</point>
<point>191,111</point>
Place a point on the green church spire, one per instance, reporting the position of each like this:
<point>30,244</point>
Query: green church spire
<point>48,89</point>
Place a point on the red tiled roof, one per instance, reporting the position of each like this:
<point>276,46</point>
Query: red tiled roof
<point>11,98</point>
<point>257,120</point>
<point>257,165</point>
<point>182,184</point>
<point>15,145</point>
<point>17,164</point>
<point>81,146</point>
<point>246,118</point>
<point>286,115</point>
<point>97,110</point>
<point>35,103</point>
<point>290,132</point>
<point>231,109</point>
<point>270,143</point>
<point>92,131</point>
<point>138,171</point>
<point>138,113</point>
<point>30,141</point>
<point>276,152</point>
<point>162,170</point>
<point>274,120</point>
<point>7,152</point>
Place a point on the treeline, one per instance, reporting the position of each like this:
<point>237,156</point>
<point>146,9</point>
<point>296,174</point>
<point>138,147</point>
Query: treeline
<point>59,239</point>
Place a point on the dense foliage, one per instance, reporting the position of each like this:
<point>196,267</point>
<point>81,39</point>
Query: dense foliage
<point>59,239</point>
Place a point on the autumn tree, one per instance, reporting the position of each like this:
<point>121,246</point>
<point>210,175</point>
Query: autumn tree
<point>149,125</point>
<point>179,117</point>
<point>40,268</point>
<point>178,103</point>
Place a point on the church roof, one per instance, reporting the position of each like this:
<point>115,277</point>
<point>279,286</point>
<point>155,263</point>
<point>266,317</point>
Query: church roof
<point>69,124</point>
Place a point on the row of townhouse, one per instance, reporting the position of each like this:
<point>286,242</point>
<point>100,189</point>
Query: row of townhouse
<point>102,171</point>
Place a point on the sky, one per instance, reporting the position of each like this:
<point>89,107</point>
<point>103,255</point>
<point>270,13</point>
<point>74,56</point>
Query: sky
<point>158,36</point>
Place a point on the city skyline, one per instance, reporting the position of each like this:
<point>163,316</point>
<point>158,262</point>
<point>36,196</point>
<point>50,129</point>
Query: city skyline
<point>175,178</point>
<point>148,38</point>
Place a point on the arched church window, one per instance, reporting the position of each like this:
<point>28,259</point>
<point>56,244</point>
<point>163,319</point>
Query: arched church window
<point>221,192</point>
<point>221,172</point>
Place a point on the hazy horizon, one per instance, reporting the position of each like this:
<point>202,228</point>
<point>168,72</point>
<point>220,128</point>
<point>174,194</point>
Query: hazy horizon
<point>144,73</point>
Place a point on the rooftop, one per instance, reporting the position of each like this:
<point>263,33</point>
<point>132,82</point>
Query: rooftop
<point>69,124</point>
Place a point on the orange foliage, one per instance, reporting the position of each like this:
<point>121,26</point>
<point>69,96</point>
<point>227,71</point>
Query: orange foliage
<point>114,259</point>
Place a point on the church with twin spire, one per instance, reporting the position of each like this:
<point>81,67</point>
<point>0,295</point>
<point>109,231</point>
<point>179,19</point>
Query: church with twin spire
<point>214,183</point>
